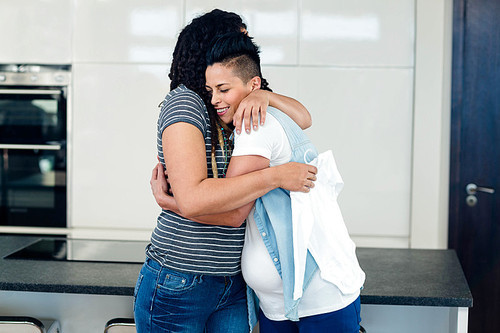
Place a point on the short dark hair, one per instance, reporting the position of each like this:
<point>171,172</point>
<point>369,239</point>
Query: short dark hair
<point>237,51</point>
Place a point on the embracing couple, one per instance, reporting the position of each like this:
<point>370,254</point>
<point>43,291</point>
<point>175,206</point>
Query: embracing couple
<point>228,249</point>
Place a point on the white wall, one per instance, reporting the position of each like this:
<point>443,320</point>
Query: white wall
<point>374,75</point>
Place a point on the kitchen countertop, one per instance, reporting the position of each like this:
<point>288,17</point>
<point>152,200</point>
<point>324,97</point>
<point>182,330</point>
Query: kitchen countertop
<point>63,276</point>
<point>394,276</point>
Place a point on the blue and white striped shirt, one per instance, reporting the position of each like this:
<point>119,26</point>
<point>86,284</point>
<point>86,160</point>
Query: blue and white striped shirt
<point>179,243</point>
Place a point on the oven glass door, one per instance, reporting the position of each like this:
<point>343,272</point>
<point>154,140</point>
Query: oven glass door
<point>33,186</point>
<point>33,156</point>
<point>32,116</point>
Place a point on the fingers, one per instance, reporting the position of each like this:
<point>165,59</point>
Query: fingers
<point>304,189</point>
<point>154,175</point>
<point>308,185</point>
<point>169,188</point>
<point>263,113</point>
<point>310,179</point>
<point>244,117</point>
<point>247,116</point>
<point>255,118</point>
<point>158,173</point>
<point>159,169</point>
<point>237,120</point>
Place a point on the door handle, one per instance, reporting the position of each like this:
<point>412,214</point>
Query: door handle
<point>29,147</point>
<point>30,91</point>
<point>472,188</point>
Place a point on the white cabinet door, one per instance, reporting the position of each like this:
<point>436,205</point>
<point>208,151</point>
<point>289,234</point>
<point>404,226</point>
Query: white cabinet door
<point>365,116</point>
<point>35,31</point>
<point>357,33</point>
<point>113,144</point>
<point>120,31</point>
<point>273,24</point>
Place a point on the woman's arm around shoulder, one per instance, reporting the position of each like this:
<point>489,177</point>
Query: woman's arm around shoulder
<point>256,103</point>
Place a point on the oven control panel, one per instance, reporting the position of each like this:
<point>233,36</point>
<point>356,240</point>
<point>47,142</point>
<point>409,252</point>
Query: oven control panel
<point>35,75</point>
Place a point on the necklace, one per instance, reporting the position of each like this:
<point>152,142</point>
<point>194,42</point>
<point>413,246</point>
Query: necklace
<point>225,136</point>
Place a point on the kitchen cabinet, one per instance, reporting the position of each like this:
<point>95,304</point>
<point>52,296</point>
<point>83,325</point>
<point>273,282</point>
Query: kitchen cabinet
<point>370,134</point>
<point>117,31</point>
<point>37,32</point>
<point>361,33</point>
<point>273,24</point>
<point>113,136</point>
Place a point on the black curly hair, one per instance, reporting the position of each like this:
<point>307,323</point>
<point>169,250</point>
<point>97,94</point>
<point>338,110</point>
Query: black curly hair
<point>189,57</point>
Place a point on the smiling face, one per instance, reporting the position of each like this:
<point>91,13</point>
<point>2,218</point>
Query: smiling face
<point>227,90</point>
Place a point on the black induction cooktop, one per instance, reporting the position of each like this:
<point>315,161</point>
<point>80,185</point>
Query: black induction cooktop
<point>61,249</point>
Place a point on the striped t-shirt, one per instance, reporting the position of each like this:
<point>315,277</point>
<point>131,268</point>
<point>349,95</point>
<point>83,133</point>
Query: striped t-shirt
<point>179,243</point>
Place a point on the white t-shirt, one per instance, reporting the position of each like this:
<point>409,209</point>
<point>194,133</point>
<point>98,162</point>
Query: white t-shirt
<point>271,142</point>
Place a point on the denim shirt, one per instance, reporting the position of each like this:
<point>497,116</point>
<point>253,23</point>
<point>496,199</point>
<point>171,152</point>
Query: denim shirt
<point>273,216</point>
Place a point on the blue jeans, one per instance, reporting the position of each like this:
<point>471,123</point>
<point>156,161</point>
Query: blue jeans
<point>170,301</point>
<point>345,320</point>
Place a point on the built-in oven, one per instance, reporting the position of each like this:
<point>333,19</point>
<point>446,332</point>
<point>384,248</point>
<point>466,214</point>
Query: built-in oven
<point>33,151</point>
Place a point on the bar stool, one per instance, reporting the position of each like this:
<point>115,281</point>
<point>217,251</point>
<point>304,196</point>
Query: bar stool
<point>20,324</point>
<point>120,325</point>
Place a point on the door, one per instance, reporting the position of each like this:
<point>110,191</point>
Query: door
<point>474,215</point>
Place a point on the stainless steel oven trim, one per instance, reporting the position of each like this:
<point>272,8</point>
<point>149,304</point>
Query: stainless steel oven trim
<point>35,75</point>
<point>29,147</point>
<point>69,155</point>
<point>31,91</point>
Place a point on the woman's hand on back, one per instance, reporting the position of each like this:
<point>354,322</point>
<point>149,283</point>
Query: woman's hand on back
<point>161,189</point>
<point>298,177</point>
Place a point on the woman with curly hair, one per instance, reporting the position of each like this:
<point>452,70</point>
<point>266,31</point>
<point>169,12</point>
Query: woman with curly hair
<point>191,280</point>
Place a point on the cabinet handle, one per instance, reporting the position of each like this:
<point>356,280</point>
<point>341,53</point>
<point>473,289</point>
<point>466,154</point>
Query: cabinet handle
<point>30,147</point>
<point>30,91</point>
